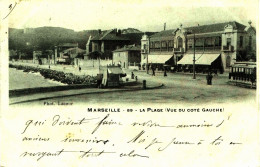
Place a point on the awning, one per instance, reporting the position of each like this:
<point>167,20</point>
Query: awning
<point>159,59</point>
<point>200,59</point>
<point>207,59</point>
<point>188,59</point>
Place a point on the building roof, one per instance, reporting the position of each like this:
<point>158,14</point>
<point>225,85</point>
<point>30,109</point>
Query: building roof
<point>250,28</point>
<point>110,35</point>
<point>78,50</point>
<point>165,33</point>
<point>201,29</point>
<point>129,48</point>
<point>215,27</point>
<point>134,37</point>
<point>68,45</point>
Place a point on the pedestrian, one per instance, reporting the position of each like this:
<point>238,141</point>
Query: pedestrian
<point>99,80</point>
<point>79,69</point>
<point>133,75</point>
<point>153,71</point>
<point>209,78</point>
<point>165,74</point>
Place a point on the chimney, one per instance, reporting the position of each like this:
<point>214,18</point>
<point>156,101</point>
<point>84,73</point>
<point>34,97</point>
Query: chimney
<point>99,31</point>
<point>119,32</point>
<point>164,27</point>
<point>115,30</point>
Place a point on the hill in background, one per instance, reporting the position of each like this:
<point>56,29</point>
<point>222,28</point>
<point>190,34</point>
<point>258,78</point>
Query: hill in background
<point>46,38</point>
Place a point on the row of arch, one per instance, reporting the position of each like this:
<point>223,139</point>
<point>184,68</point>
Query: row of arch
<point>180,42</point>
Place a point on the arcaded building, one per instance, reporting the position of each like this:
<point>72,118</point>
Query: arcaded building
<point>216,46</point>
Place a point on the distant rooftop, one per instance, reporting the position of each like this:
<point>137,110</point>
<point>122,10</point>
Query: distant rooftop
<point>109,35</point>
<point>202,29</point>
<point>68,45</point>
<point>215,27</point>
<point>165,33</point>
<point>129,48</point>
<point>78,50</point>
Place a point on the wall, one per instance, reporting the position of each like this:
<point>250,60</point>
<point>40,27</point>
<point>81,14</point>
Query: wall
<point>89,46</point>
<point>145,41</point>
<point>251,32</point>
<point>90,63</point>
<point>182,34</point>
<point>238,41</point>
<point>224,57</point>
<point>95,46</point>
<point>121,58</point>
<point>134,57</point>
<point>229,32</point>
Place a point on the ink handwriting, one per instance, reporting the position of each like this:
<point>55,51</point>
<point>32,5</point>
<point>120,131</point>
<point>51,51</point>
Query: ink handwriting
<point>103,136</point>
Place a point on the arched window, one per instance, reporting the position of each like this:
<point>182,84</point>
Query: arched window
<point>180,42</point>
<point>250,43</point>
<point>209,42</point>
<point>218,41</point>
<point>199,43</point>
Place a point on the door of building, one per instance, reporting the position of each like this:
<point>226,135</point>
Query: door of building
<point>228,61</point>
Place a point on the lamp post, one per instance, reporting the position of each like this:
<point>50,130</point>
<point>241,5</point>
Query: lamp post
<point>194,75</point>
<point>147,64</point>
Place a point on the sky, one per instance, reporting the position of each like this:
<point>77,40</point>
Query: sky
<point>145,15</point>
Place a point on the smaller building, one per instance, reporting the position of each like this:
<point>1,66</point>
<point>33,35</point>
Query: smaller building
<point>67,52</point>
<point>43,57</point>
<point>13,55</point>
<point>58,58</point>
<point>128,56</point>
<point>36,55</point>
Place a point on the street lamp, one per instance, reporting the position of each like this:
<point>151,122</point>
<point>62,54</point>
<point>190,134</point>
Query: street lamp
<point>147,64</point>
<point>194,40</point>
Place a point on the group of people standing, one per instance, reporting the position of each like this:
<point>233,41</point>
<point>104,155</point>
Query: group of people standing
<point>154,68</point>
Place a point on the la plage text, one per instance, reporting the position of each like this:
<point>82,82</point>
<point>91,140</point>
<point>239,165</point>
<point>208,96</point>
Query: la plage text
<point>156,110</point>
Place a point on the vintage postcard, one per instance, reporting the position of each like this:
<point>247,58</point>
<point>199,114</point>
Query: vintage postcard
<point>129,83</point>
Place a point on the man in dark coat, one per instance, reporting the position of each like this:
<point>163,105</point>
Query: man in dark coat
<point>165,74</point>
<point>153,69</point>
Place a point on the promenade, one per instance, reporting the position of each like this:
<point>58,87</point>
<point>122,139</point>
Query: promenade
<point>178,88</point>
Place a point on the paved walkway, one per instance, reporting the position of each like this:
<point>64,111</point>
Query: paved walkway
<point>75,92</point>
<point>178,88</point>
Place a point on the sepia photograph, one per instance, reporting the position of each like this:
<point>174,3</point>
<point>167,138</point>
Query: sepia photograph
<point>154,54</point>
<point>129,83</point>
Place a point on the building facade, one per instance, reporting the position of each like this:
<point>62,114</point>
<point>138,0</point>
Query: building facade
<point>157,49</point>
<point>105,42</point>
<point>250,41</point>
<point>128,56</point>
<point>215,45</point>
